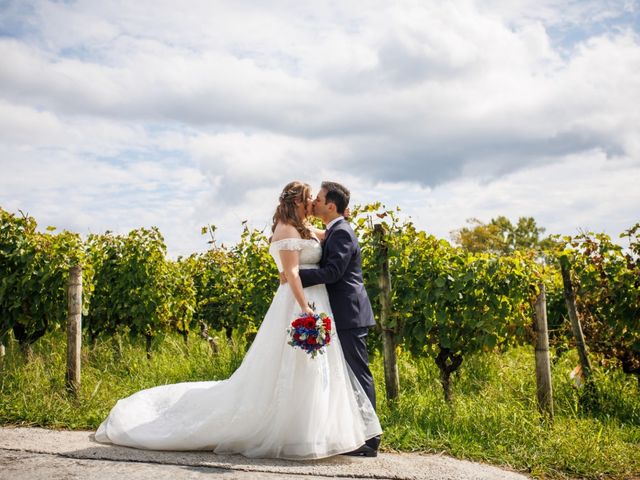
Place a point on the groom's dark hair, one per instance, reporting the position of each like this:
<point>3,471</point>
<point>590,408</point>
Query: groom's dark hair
<point>337,194</point>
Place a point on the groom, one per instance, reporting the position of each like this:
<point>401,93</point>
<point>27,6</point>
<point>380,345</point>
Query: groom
<point>341,271</point>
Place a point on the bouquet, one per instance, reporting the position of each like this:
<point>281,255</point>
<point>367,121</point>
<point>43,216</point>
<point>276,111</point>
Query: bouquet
<point>311,333</point>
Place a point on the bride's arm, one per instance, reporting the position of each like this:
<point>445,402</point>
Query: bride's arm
<point>291,266</point>
<point>318,232</point>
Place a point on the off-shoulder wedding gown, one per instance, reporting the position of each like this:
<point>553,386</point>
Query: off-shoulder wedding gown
<point>280,402</point>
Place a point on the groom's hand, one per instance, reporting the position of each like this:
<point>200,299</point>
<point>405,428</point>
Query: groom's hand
<point>283,278</point>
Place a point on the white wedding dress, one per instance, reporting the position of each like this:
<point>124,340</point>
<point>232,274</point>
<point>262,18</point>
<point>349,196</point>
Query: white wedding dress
<point>280,403</point>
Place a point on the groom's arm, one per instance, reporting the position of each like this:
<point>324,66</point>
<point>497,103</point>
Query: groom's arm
<point>338,256</point>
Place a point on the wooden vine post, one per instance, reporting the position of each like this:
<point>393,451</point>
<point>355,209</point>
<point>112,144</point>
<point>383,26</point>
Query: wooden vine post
<point>391,378</point>
<point>74,328</point>
<point>544,389</point>
<point>576,327</point>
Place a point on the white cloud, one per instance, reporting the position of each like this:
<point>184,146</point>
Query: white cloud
<point>90,196</point>
<point>585,192</point>
<point>560,13</point>
<point>200,114</point>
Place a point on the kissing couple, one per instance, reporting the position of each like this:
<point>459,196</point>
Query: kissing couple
<point>281,402</point>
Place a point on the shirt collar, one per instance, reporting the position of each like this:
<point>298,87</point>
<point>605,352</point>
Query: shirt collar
<point>333,222</point>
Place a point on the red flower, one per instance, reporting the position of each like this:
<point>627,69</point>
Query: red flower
<point>307,326</point>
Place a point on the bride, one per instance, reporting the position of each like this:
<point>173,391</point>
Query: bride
<point>280,402</point>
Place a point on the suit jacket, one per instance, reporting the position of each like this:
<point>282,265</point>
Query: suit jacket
<point>341,271</point>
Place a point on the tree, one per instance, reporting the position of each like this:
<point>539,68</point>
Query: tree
<point>608,294</point>
<point>446,302</point>
<point>34,269</point>
<point>134,286</point>
<point>234,286</point>
<point>182,300</point>
<point>500,236</point>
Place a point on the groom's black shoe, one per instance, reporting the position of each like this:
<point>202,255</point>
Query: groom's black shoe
<point>363,451</point>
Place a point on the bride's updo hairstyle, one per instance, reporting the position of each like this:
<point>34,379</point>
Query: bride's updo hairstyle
<point>294,192</point>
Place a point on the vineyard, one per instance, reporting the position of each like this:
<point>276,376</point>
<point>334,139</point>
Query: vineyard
<point>448,313</point>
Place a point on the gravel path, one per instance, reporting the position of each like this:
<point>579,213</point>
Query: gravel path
<point>36,453</point>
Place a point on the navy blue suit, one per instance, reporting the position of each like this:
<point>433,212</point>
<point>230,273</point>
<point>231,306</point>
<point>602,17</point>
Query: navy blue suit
<point>341,272</point>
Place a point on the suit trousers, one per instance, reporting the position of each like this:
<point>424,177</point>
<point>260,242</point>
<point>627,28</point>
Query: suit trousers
<point>354,346</point>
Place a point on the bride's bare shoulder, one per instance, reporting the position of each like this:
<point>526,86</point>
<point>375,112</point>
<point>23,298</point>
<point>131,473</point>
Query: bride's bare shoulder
<point>283,231</point>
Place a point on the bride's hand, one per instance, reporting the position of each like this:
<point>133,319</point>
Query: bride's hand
<point>308,311</point>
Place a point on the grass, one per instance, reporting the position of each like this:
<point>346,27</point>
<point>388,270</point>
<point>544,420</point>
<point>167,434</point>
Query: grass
<point>493,417</point>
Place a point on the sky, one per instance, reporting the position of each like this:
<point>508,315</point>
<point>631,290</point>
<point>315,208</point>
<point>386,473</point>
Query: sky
<point>116,115</point>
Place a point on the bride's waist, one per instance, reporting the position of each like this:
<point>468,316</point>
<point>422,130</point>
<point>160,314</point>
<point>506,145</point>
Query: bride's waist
<point>307,266</point>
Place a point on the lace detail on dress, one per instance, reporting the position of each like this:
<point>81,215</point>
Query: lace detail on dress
<point>310,251</point>
<point>290,244</point>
